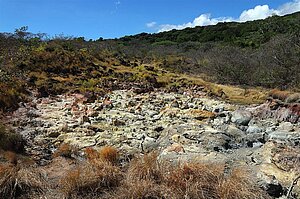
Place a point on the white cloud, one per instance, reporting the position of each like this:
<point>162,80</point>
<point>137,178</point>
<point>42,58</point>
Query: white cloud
<point>151,24</point>
<point>289,7</point>
<point>202,20</point>
<point>258,12</point>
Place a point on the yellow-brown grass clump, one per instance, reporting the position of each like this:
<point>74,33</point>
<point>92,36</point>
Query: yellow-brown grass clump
<point>145,168</point>
<point>91,154</point>
<point>147,178</point>
<point>65,150</point>
<point>293,98</point>
<point>91,178</point>
<point>194,180</point>
<point>278,94</point>
<point>143,177</point>
<point>16,181</point>
<point>109,154</point>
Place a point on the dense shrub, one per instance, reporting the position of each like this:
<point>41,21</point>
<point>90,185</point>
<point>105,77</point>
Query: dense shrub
<point>11,141</point>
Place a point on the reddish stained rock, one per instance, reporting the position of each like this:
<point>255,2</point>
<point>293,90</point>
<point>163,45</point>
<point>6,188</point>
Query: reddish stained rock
<point>295,108</point>
<point>107,101</point>
<point>175,148</point>
<point>286,158</point>
<point>279,111</point>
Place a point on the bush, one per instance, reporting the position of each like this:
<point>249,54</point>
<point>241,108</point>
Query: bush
<point>11,141</point>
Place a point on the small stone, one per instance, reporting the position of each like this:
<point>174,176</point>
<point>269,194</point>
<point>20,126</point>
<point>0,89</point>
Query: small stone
<point>64,128</point>
<point>54,134</point>
<point>286,137</point>
<point>201,114</point>
<point>254,129</point>
<point>85,119</point>
<point>149,144</point>
<point>117,122</point>
<point>159,129</point>
<point>93,114</point>
<point>175,104</point>
<point>177,148</point>
<point>95,128</point>
<point>286,126</point>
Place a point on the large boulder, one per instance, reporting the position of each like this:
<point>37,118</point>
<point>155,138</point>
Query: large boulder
<point>241,117</point>
<point>285,137</point>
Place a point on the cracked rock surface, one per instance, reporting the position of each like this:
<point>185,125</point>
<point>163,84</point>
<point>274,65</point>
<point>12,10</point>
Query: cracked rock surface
<point>182,127</point>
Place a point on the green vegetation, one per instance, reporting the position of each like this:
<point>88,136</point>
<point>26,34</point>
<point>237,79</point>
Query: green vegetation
<point>263,53</point>
<point>249,34</point>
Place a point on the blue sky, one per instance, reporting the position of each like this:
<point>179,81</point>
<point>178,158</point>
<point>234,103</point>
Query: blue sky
<point>116,18</point>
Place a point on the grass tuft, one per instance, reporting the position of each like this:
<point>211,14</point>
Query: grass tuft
<point>91,178</point>
<point>16,181</point>
<point>145,168</point>
<point>66,150</point>
<point>109,154</point>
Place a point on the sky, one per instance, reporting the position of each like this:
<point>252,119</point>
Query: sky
<point>93,19</point>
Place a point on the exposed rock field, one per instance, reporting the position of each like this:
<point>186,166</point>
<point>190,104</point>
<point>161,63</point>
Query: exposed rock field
<point>182,126</point>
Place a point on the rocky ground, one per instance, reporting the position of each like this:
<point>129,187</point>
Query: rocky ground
<point>182,126</point>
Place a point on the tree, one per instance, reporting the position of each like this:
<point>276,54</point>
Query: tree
<point>21,32</point>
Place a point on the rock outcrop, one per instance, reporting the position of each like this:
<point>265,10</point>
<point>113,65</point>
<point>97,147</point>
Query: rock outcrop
<point>182,127</point>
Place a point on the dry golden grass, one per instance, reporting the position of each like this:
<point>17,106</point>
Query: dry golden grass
<point>194,180</point>
<point>293,98</point>
<point>278,94</point>
<point>16,181</point>
<point>202,181</point>
<point>285,96</point>
<point>109,154</point>
<point>65,150</point>
<point>10,157</point>
<point>239,184</point>
<point>142,189</point>
<point>233,94</point>
<point>147,178</point>
<point>145,168</point>
<point>143,177</point>
<point>90,178</point>
<point>91,154</point>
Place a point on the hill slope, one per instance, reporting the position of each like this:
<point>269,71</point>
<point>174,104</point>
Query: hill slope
<point>248,34</point>
<point>259,53</point>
